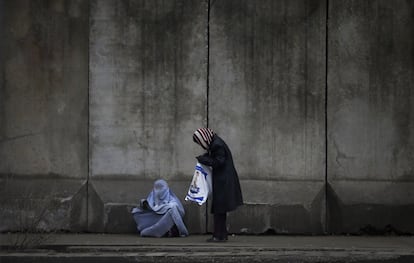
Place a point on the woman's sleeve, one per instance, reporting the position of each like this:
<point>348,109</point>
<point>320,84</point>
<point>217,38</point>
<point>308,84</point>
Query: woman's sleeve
<point>215,159</point>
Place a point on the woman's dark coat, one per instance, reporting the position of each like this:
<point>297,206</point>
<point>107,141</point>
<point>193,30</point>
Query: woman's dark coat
<point>227,194</point>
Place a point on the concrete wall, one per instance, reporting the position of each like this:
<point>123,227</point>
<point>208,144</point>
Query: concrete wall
<point>147,96</point>
<point>267,100</point>
<point>370,115</point>
<point>43,113</point>
<point>99,98</point>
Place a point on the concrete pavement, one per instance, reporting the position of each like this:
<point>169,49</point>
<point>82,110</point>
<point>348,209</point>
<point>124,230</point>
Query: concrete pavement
<point>239,248</point>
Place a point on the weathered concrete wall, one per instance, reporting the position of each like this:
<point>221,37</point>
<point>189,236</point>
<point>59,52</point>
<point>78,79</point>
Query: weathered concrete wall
<point>100,98</point>
<point>370,115</point>
<point>147,96</point>
<point>266,99</point>
<point>43,113</point>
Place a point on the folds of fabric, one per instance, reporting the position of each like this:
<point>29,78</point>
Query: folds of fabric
<point>163,212</point>
<point>145,218</point>
<point>151,224</point>
<point>161,197</point>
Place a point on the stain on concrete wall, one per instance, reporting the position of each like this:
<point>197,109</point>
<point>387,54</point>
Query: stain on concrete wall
<point>266,99</point>
<point>43,106</point>
<point>370,115</point>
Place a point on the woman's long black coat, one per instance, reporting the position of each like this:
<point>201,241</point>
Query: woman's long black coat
<point>227,194</point>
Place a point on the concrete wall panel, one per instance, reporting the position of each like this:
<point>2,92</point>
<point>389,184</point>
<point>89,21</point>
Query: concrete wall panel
<point>370,115</point>
<point>266,98</point>
<point>43,110</point>
<point>44,89</point>
<point>147,94</point>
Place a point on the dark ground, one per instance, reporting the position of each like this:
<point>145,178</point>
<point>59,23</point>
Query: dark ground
<point>132,248</point>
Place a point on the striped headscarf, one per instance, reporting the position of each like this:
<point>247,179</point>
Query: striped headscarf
<point>203,137</point>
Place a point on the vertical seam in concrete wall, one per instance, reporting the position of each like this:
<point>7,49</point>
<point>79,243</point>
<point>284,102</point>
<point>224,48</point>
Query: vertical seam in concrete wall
<point>326,115</point>
<point>88,124</point>
<point>2,75</point>
<point>208,61</point>
<point>207,84</point>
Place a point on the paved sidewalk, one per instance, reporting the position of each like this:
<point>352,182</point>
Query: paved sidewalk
<point>132,248</point>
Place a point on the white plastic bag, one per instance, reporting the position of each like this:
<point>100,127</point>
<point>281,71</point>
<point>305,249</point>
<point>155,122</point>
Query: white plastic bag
<point>201,185</point>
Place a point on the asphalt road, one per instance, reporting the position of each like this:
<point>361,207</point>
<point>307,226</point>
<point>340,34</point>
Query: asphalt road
<point>131,248</point>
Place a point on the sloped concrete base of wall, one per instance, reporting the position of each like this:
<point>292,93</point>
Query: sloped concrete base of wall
<point>368,218</point>
<point>275,219</point>
<point>42,204</point>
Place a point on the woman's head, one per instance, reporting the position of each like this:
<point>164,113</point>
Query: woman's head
<point>203,137</point>
<point>161,191</point>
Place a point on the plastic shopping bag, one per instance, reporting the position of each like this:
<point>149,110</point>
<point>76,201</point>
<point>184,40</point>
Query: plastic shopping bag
<point>201,185</point>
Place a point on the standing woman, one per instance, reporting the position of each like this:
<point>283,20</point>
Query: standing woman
<point>227,194</point>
